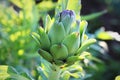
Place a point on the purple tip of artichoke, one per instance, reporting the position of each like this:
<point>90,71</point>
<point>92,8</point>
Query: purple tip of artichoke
<point>64,13</point>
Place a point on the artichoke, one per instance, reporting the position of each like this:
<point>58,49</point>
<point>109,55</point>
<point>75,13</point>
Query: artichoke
<point>63,39</point>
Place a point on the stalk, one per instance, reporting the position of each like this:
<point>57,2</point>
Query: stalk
<point>54,73</point>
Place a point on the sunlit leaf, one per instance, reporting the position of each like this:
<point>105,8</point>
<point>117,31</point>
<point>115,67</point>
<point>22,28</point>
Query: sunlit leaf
<point>117,77</point>
<point>8,72</point>
<point>46,5</point>
<point>48,23</point>
<point>63,4</point>
<point>17,3</point>
<point>84,55</point>
<point>65,75</point>
<point>83,27</point>
<point>74,5</point>
<point>75,75</point>
<point>104,36</point>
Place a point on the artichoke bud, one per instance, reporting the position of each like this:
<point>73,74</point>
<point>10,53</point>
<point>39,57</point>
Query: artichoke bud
<point>63,38</point>
<point>67,17</point>
<point>46,55</point>
<point>59,51</point>
<point>57,33</point>
<point>44,40</point>
<point>72,42</point>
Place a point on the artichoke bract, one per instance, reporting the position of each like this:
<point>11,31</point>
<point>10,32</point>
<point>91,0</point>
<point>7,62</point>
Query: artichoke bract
<point>62,40</point>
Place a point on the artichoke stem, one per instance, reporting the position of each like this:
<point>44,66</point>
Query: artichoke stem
<point>54,73</point>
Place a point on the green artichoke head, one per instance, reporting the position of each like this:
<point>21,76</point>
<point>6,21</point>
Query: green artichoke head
<point>67,17</point>
<point>62,40</point>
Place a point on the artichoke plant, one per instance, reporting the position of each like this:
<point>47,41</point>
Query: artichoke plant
<point>63,39</point>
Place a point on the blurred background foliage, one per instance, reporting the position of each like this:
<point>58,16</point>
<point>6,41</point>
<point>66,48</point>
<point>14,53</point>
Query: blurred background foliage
<point>109,22</point>
<point>18,18</point>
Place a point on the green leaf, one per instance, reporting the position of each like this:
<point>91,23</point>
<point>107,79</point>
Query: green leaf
<point>83,26</point>
<point>17,3</point>
<point>117,77</point>
<point>21,3</point>
<point>9,72</point>
<point>84,55</point>
<point>93,15</point>
<point>46,5</point>
<point>7,69</point>
<point>42,75</point>
<point>85,45</point>
<point>74,5</point>
<point>95,59</point>
<point>46,55</point>
<point>104,36</point>
<point>75,75</point>
<point>36,37</point>
<point>44,39</point>
<point>44,69</point>
<point>76,68</point>
<point>62,5</point>
<point>75,71</point>
<point>65,75</point>
<point>40,78</point>
<point>48,23</point>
